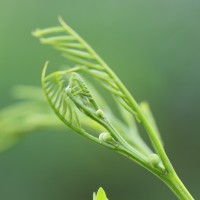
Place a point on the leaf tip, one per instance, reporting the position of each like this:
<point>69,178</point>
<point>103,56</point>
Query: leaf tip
<point>44,70</point>
<point>101,195</point>
<point>64,24</point>
<point>36,33</point>
<point>61,21</point>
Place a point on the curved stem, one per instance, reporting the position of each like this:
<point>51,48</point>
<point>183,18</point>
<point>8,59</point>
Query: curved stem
<point>170,178</point>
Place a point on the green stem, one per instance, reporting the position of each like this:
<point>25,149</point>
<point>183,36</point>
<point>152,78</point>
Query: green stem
<point>171,179</point>
<point>178,188</point>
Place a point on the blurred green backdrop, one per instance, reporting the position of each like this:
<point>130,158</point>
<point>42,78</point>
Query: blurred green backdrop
<point>153,46</point>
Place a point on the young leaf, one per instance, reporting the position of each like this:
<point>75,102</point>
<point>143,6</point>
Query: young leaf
<point>74,48</point>
<point>70,99</point>
<point>69,96</point>
<point>101,195</point>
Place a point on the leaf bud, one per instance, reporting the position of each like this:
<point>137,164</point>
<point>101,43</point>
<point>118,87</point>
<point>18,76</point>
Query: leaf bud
<point>105,137</point>
<point>100,113</point>
<point>154,160</point>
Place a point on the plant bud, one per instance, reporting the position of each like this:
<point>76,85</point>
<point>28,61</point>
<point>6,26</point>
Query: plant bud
<point>105,137</point>
<point>100,113</point>
<point>154,160</point>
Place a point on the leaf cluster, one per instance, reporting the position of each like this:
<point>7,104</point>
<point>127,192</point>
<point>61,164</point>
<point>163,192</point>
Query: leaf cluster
<point>72,100</point>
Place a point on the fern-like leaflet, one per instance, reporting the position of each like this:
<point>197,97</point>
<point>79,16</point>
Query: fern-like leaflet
<point>65,96</point>
<point>74,48</point>
<point>53,87</point>
<point>68,94</point>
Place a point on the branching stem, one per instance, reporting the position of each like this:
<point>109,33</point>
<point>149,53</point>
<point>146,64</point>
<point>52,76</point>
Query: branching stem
<point>77,50</point>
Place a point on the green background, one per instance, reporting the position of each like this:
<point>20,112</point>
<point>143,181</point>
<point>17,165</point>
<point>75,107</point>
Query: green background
<point>154,48</point>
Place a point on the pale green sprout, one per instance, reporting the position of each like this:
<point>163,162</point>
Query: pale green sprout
<point>101,195</point>
<point>72,101</point>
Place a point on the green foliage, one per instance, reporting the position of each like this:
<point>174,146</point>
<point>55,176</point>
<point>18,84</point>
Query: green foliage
<point>72,101</point>
<point>81,108</point>
<point>29,114</point>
